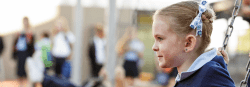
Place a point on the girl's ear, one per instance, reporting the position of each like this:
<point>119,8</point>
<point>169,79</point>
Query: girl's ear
<point>190,42</point>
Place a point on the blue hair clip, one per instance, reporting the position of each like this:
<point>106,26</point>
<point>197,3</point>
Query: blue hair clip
<point>197,22</point>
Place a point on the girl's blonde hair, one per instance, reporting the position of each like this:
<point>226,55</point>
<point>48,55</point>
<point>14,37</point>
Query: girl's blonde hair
<point>182,14</point>
<point>122,44</point>
<point>64,24</point>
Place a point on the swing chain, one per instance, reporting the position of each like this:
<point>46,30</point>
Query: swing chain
<point>234,14</point>
<point>247,75</point>
<point>229,31</point>
<point>230,27</point>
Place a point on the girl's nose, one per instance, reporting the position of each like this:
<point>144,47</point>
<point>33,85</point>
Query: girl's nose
<point>155,47</point>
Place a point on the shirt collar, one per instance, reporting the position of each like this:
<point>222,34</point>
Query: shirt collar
<point>98,39</point>
<point>197,64</point>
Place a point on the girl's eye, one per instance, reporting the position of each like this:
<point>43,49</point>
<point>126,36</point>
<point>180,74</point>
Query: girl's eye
<point>159,38</point>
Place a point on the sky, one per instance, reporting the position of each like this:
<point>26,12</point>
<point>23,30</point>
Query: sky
<point>39,11</point>
<point>13,11</point>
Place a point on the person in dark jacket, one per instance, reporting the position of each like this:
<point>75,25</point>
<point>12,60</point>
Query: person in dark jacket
<point>1,46</point>
<point>182,32</point>
<point>245,10</point>
<point>97,50</point>
<point>1,58</point>
<point>23,48</point>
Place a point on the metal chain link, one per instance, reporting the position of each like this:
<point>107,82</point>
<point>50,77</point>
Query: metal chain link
<point>229,31</point>
<point>230,26</point>
<point>246,77</point>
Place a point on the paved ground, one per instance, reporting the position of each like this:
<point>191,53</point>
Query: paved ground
<point>236,67</point>
<point>13,83</point>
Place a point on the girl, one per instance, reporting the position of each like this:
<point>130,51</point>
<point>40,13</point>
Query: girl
<point>182,33</point>
<point>131,48</point>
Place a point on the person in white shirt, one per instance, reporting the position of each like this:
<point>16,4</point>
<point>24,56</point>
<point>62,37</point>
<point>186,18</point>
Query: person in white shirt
<point>97,50</point>
<point>62,40</point>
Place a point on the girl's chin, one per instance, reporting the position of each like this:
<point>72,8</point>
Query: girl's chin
<point>162,65</point>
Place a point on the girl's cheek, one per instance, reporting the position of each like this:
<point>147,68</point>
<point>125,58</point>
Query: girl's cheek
<point>160,47</point>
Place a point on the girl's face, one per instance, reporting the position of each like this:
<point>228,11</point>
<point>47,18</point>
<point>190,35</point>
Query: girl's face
<point>100,33</point>
<point>59,25</point>
<point>168,46</point>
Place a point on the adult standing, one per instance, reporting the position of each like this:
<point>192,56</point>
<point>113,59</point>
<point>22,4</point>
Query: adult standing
<point>1,60</point>
<point>1,46</point>
<point>23,48</point>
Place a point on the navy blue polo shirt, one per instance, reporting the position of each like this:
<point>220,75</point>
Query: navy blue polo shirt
<point>208,70</point>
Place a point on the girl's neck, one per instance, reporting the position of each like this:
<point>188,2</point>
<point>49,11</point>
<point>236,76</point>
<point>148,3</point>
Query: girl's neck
<point>185,66</point>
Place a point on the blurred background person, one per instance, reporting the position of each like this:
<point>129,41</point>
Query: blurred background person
<point>1,46</point>
<point>44,47</point>
<point>59,80</point>
<point>36,65</point>
<point>40,61</point>
<point>1,60</point>
<point>62,42</point>
<point>23,48</point>
<point>45,44</point>
<point>246,10</point>
<point>97,50</point>
<point>165,77</point>
<point>135,12</point>
<point>131,48</point>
